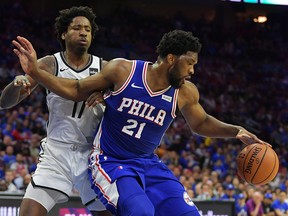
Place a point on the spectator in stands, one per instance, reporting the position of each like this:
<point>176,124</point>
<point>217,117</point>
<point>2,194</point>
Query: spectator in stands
<point>34,145</point>
<point>227,180</point>
<point>19,132</point>
<point>7,140</point>
<point>219,192</point>
<point>7,131</point>
<point>191,193</point>
<point>250,191</point>
<point>267,204</point>
<point>206,192</point>
<point>219,167</point>
<point>19,164</point>
<point>240,205</point>
<point>241,187</point>
<point>284,184</point>
<point>218,155</point>
<point>214,177</point>
<point>9,181</point>
<point>230,193</point>
<point>177,171</point>
<point>254,205</point>
<point>9,156</point>
<point>21,169</point>
<point>26,181</point>
<point>19,179</point>
<point>279,205</point>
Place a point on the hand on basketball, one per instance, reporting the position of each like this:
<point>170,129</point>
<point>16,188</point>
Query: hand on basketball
<point>26,54</point>
<point>24,82</point>
<point>248,138</point>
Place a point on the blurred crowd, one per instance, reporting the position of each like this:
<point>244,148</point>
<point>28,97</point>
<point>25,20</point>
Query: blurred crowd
<point>242,76</point>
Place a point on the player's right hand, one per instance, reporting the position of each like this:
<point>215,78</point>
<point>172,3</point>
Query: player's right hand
<point>249,138</point>
<point>24,82</point>
<point>27,55</point>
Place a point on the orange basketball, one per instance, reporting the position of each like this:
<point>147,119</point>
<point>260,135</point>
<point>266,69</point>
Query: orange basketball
<point>257,164</point>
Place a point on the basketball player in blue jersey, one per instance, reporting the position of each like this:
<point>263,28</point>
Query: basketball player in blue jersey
<point>140,105</point>
<point>71,128</point>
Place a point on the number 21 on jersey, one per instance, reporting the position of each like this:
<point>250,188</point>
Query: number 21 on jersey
<point>133,128</point>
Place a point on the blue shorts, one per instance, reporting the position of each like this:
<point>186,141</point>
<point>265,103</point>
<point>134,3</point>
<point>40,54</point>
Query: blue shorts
<point>142,184</point>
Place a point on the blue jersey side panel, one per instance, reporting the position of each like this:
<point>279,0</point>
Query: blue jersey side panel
<point>136,118</point>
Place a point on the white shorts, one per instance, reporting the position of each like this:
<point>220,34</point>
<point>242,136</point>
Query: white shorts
<point>61,168</point>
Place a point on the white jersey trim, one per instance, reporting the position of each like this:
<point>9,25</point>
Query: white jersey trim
<point>144,79</point>
<point>175,103</point>
<point>125,84</point>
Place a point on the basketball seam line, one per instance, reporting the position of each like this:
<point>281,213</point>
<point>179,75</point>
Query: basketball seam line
<point>243,166</point>
<point>275,158</point>
<point>259,166</point>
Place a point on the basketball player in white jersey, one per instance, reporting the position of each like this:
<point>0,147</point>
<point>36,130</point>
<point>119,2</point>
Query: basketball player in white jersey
<point>63,160</point>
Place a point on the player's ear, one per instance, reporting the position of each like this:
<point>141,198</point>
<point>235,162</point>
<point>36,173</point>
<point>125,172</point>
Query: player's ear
<point>63,35</point>
<point>170,58</point>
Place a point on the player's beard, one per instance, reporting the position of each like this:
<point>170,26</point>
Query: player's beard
<point>80,50</point>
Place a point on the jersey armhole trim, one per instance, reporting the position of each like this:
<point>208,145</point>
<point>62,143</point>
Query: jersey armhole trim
<point>56,66</point>
<point>175,103</point>
<point>125,84</point>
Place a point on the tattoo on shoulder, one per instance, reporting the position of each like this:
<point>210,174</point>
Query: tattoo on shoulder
<point>47,63</point>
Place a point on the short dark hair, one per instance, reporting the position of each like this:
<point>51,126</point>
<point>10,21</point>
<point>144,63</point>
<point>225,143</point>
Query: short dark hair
<point>178,42</point>
<point>67,15</point>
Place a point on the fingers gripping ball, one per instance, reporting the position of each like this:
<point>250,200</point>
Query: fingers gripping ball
<point>257,164</point>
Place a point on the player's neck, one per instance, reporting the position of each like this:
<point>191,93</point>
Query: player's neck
<point>156,79</point>
<point>76,61</point>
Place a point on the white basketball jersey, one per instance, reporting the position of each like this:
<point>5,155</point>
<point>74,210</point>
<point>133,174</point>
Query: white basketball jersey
<point>70,121</point>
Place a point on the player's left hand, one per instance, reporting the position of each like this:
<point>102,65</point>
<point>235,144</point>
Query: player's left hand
<point>94,99</point>
<point>23,81</point>
<point>248,138</point>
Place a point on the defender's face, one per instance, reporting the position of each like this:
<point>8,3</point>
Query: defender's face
<point>79,34</point>
<point>183,68</point>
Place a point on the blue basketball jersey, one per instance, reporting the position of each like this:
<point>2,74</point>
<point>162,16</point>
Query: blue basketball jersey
<point>136,118</point>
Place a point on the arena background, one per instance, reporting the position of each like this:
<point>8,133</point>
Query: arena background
<point>242,76</point>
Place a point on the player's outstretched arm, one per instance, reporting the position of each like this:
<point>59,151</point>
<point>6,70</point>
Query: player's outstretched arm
<point>15,91</point>
<point>76,90</point>
<point>22,86</point>
<point>28,60</point>
<point>206,125</point>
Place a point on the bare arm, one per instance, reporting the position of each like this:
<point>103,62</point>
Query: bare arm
<point>96,97</point>
<point>22,86</point>
<point>15,92</point>
<point>204,124</point>
<point>110,77</point>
